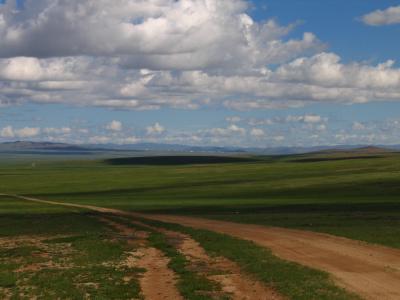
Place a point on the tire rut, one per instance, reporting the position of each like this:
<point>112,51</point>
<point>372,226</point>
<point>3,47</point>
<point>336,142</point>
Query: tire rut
<point>158,281</point>
<point>221,270</point>
<point>371,271</point>
<point>227,274</point>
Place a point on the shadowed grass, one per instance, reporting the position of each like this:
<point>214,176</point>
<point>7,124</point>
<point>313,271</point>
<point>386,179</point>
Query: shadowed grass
<point>177,160</point>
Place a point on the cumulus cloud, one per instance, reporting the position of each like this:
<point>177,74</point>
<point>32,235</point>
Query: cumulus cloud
<point>228,131</point>
<point>233,119</point>
<point>155,129</point>
<point>130,140</point>
<point>57,131</point>
<point>305,119</point>
<point>186,54</point>
<point>379,17</point>
<point>358,126</point>
<point>325,70</point>
<point>278,138</point>
<point>321,127</point>
<point>33,69</point>
<point>149,33</point>
<point>26,132</point>
<point>7,132</point>
<point>114,126</point>
<point>257,132</point>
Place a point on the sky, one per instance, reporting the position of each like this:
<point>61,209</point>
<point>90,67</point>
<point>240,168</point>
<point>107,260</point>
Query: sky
<point>201,72</point>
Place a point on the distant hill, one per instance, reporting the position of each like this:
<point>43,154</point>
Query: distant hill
<point>366,150</point>
<point>373,150</point>
<point>49,147</point>
<point>25,145</point>
<point>172,148</point>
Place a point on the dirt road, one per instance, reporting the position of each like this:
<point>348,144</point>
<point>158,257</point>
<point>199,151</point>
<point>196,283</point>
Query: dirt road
<point>371,271</point>
<point>368,270</point>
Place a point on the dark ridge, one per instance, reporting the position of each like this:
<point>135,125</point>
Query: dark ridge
<point>48,152</point>
<point>177,160</point>
<point>20,146</point>
<point>355,151</point>
<point>322,159</point>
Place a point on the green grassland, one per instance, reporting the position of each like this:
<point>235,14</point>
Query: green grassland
<point>49,252</point>
<point>356,196</point>
<point>345,194</point>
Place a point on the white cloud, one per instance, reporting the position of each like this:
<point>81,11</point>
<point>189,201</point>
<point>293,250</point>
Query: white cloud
<point>155,129</point>
<point>260,122</point>
<point>26,132</point>
<point>325,70</point>
<point>228,131</point>
<point>154,34</point>
<point>33,69</point>
<point>321,127</point>
<point>233,119</point>
<point>131,140</point>
<point>305,119</point>
<point>114,126</point>
<point>388,16</point>
<point>278,138</point>
<point>83,130</point>
<point>58,131</point>
<point>186,54</point>
<point>358,126</point>
<point>257,132</point>
<point>236,129</point>
<point>7,132</point>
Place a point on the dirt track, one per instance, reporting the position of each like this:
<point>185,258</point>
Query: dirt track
<point>371,271</point>
<point>234,284</point>
<point>152,260</point>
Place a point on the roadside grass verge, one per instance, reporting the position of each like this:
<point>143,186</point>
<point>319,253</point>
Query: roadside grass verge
<point>289,279</point>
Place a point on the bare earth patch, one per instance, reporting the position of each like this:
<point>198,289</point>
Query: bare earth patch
<point>158,281</point>
<point>42,253</point>
<point>13,242</point>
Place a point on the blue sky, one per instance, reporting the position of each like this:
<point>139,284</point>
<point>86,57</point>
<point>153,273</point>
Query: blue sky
<point>336,22</point>
<point>260,73</point>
